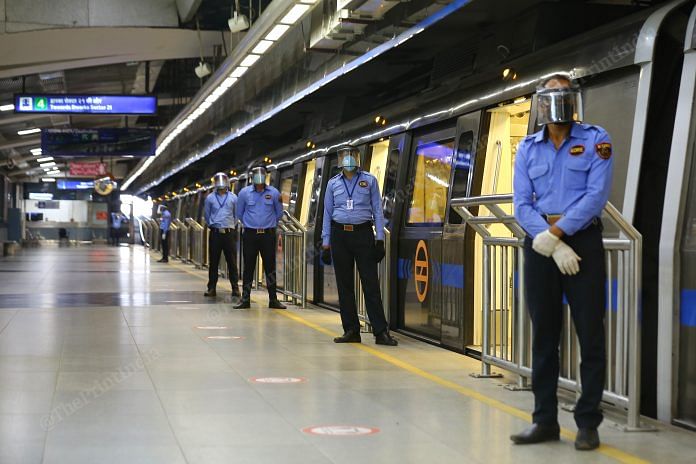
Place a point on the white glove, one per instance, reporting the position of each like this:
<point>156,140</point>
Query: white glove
<point>566,259</point>
<point>164,235</point>
<point>544,243</point>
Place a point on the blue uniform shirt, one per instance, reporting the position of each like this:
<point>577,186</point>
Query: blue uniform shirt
<point>166,220</point>
<point>573,181</point>
<point>367,203</point>
<point>116,220</point>
<point>259,210</point>
<point>220,210</point>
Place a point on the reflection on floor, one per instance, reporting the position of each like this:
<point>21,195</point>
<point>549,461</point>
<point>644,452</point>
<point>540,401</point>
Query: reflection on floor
<point>109,357</point>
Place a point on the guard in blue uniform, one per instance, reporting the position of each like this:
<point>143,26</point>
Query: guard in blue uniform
<point>165,222</point>
<point>116,222</point>
<point>351,203</point>
<point>219,212</point>
<point>260,209</point>
<point>561,184</point>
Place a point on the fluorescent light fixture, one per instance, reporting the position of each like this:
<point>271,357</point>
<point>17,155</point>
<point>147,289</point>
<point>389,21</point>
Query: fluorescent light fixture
<point>47,165</point>
<point>43,160</point>
<point>249,60</point>
<point>36,151</point>
<point>262,47</point>
<point>48,179</point>
<point>295,13</point>
<point>9,107</point>
<point>205,105</point>
<point>33,130</point>
<point>309,2</point>
<point>277,32</point>
<point>48,169</point>
<point>238,72</point>
<point>227,83</point>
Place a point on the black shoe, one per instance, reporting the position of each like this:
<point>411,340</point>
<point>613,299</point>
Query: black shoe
<point>210,292</point>
<point>385,339</point>
<point>351,336</point>
<point>162,260</point>
<point>587,440</point>
<point>275,304</point>
<point>235,292</point>
<point>537,433</point>
<point>244,304</point>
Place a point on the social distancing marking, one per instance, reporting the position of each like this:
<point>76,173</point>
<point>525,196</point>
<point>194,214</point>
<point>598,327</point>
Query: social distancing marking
<point>224,337</point>
<point>341,430</point>
<point>278,380</point>
<point>212,327</point>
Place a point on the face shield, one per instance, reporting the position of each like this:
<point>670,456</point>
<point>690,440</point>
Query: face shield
<point>221,181</point>
<point>258,175</point>
<point>348,159</point>
<point>160,209</point>
<point>561,105</point>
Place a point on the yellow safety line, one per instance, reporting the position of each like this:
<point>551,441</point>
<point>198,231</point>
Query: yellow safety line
<point>607,450</point>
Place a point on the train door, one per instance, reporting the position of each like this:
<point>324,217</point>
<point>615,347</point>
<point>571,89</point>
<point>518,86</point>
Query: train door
<point>506,125</point>
<point>306,212</point>
<point>284,181</point>
<point>326,277</point>
<point>419,246</point>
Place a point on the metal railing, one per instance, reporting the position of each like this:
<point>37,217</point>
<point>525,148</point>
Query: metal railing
<point>383,272</point>
<point>173,240</point>
<point>181,241</point>
<point>505,323</point>
<point>197,241</point>
<point>293,237</point>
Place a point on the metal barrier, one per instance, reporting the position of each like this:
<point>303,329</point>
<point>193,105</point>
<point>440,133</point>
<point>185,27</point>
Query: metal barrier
<point>173,240</point>
<point>383,272</point>
<point>506,327</point>
<point>197,242</point>
<point>181,241</point>
<point>293,238</point>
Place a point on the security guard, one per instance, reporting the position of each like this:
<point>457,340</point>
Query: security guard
<point>561,185</point>
<point>351,203</point>
<point>165,222</point>
<point>260,210</point>
<point>219,212</point>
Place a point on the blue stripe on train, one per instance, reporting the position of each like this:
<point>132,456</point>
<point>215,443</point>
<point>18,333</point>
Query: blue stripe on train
<point>687,311</point>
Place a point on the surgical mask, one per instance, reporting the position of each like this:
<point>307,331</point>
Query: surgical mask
<point>259,179</point>
<point>349,163</point>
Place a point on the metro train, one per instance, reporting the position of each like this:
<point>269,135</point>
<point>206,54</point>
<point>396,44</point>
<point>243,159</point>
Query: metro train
<point>638,77</point>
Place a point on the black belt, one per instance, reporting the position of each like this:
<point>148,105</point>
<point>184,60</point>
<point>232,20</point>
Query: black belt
<point>222,230</point>
<point>352,227</point>
<point>259,231</point>
<point>553,218</point>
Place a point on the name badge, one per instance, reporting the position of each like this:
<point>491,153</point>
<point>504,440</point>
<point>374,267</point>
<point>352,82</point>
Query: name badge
<point>349,204</point>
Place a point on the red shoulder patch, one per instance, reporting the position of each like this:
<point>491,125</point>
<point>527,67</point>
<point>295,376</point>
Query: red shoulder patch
<point>604,150</point>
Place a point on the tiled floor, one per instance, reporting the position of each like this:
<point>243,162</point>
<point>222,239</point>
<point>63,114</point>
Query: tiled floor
<point>102,361</point>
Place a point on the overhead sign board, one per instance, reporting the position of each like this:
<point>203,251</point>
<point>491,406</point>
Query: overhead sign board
<point>79,169</point>
<point>98,142</point>
<point>65,184</point>
<point>85,104</point>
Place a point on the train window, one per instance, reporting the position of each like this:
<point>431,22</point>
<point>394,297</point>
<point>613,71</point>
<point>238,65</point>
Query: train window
<point>463,162</point>
<point>307,191</point>
<point>377,162</point>
<point>285,191</point>
<point>430,182</point>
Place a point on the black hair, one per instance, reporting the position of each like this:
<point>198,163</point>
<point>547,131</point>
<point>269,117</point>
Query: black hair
<point>559,77</point>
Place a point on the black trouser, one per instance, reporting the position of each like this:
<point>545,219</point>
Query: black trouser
<point>227,244</point>
<point>254,243</point>
<point>115,236</point>
<point>348,249</point>
<point>585,292</point>
<point>165,245</point>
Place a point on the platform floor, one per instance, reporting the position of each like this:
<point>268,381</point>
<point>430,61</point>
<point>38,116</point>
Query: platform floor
<point>106,357</point>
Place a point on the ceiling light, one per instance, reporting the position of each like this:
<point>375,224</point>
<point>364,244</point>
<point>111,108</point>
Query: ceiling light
<point>47,179</point>
<point>36,151</point>
<point>33,130</point>
<point>309,2</point>
<point>262,47</point>
<point>227,83</point>
<point>203,69</point>
<point>9,107</point>
<point>238,72</point>
<point>249,60</point>
<point>48,169</point>
<point>205,105</point>
<point>277,32</point>
<point>238,23</point>
<point>47,165</point>
<point>295,13</point>
<point>43,160</point>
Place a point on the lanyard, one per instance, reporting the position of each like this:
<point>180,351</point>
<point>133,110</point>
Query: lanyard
<point>223,202</point>
<point>350,195</point>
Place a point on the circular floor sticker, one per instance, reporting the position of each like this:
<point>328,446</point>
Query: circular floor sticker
<point>212,327</point>
<point>276,380</point>
<point>341,430</point>
<point>224,337</point>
